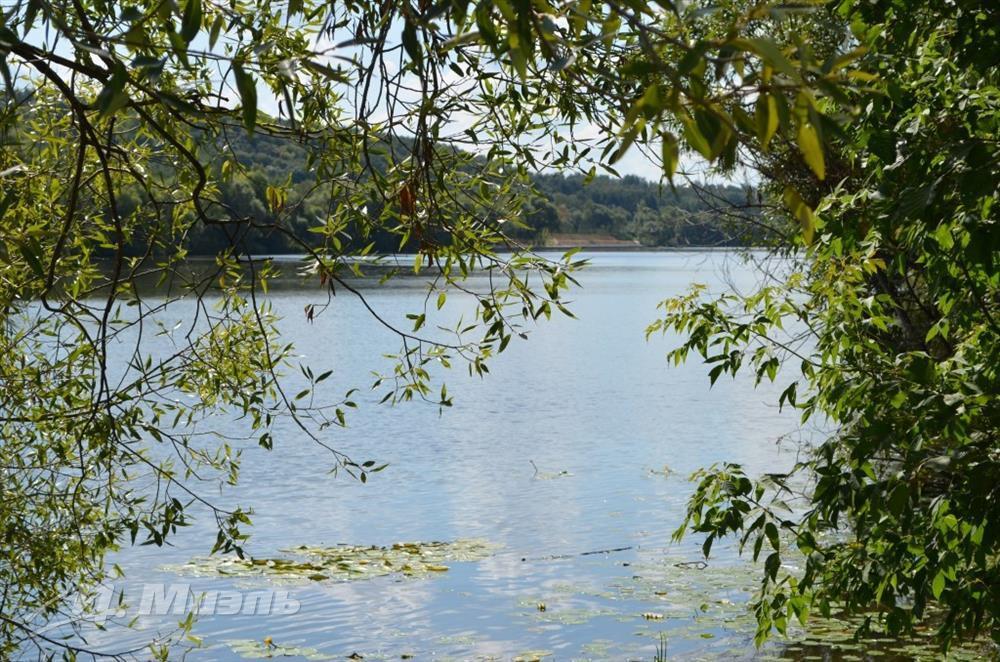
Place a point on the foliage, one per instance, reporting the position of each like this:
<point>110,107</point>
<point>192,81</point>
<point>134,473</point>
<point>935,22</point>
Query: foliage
<point>654,215</point>
<point>887,331</point>
<point>874,123</point>
<point>628,207</point>
<point>119,122</point>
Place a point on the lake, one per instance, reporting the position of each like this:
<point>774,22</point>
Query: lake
<point>579,441</point>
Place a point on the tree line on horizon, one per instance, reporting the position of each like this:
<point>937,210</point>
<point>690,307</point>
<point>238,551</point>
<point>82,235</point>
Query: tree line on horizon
<point>872,128</point>
<point>629,208</point>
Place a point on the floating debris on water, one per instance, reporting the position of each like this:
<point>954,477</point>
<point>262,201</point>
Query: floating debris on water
<point>547,475</point>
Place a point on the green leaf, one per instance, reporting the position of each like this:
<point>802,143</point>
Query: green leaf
<point>31,253</point>
<point>113,97</point>
<point>772,535</point>
<point>213,35</point>
<point>178,45</point>
<point>150,68</point>
<point>484,21</point>
<point>769,53</point>
<point>772,564</point>
<point>191,21</point>
<point>767,119</point>
<point>811,149</point>
<point>247,88</point>
<point>845,59</point>
<point>30,13</point>
<point>326,71</point>
<point>943,236</point>
<point>626,143</point>
<point>411,43</point>
<point>671,154</point>
<point>800,608</point>
<point>898,499</point>
<point>693,61</point>
<point>714,129</point>
<point>801,212</point>
<point>650,102</point>
<point>694,137</point>
<point>937,586</point>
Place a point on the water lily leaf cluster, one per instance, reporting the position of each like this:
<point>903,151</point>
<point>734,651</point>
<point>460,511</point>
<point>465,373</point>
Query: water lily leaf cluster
<point>346,562</point>
<point>872,124</point>
<point>251,649</point>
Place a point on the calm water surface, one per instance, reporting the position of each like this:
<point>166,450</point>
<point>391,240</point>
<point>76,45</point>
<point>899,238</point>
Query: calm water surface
<point>590,397</point>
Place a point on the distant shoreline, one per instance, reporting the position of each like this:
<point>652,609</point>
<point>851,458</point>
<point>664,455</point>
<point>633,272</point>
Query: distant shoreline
<point>598,248</point>
<point>605,243</point>
<point>288,257</point>
<point>588,241</point>
<point>556,244</point>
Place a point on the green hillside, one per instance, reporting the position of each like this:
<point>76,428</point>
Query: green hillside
<point>628,208</point>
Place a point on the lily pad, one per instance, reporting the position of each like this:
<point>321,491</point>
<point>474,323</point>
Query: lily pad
<point>532,656</point>
<point>251,649</point>
<point>345,562</point>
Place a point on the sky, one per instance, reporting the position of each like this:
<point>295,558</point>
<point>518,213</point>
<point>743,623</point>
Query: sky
<point>634,162</point>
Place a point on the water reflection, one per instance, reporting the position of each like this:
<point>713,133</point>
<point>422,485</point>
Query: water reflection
<point>589,397</point>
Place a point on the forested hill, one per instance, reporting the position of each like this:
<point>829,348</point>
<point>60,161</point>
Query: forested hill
<point>629,208</point>
<point>635,209</point>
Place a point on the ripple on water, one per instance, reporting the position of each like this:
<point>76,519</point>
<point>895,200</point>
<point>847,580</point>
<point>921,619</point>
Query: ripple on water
<point>589,397</point>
